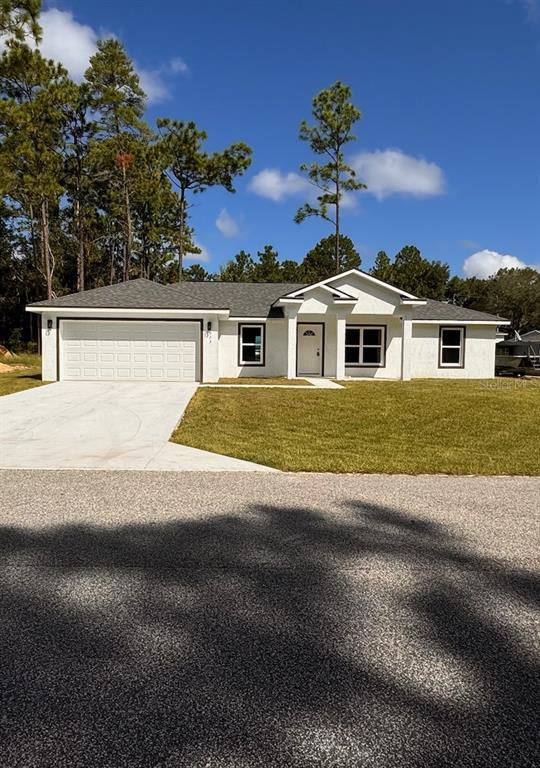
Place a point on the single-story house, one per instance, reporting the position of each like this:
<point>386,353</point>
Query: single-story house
<point>350,325</point>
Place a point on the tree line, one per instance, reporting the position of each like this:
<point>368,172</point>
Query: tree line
<point>91,194</point>
<point>510,293</point>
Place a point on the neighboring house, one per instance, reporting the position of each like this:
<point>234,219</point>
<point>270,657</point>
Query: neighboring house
<point>520,352</point>
<point>350,325</point>
<point>532,337</point>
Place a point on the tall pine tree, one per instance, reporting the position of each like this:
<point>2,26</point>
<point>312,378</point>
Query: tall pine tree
<point>118,101</point>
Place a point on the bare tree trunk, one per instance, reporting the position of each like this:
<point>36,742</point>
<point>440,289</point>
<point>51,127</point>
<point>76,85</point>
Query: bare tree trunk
<point>338,264</point>
<point>111,273</point>
<point>33,234</point>
<point>82,275</point>
<point>129,227</point>
<point>80,245</point>
<point>48,267</point>
<point>181,246</point>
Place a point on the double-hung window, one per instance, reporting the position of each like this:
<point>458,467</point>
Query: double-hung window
<point>251,345</point>
<point>365,346</point>
<point>452,347</point>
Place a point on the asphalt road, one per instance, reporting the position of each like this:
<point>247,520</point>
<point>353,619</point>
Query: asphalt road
<point>238,620</point>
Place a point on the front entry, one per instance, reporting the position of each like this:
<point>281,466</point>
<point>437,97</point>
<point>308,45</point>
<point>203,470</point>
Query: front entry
<point>310,348</point>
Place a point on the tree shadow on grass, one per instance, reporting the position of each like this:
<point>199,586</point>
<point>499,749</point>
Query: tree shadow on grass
<point>274,637</point>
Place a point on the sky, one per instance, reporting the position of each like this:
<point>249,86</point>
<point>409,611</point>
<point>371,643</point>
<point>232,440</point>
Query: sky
<point>448,143</point>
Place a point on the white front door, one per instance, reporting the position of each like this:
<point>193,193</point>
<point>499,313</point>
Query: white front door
<point>310,349</point>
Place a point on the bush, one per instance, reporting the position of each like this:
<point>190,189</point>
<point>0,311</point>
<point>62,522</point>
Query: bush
<point>15,340</point>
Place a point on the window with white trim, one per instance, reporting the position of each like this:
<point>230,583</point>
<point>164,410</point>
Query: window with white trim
<point>452,347</point>
<point>364,345</point>
<point>251,345</point>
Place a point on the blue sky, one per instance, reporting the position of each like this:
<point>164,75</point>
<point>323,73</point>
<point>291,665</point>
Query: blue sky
<point>449,141</point>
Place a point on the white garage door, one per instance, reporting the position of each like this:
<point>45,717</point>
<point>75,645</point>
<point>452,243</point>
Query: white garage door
<point>146,350</point>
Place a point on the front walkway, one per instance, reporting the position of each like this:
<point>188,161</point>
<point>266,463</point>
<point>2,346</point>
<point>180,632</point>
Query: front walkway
<point>102,425</point>
<point>316,382</point>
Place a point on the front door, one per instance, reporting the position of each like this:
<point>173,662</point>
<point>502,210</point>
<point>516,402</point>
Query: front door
<point>310,349</point>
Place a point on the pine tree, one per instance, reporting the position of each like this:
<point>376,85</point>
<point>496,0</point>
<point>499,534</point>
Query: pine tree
<point>19,19</point>
<point>334,116</point>
<point>32,123</point>
<point>239,269</point>
<point>267,269</point>
<point>319,263</point>
<point>118,100</point>
<point>192,170</point>
<point>382,268</point>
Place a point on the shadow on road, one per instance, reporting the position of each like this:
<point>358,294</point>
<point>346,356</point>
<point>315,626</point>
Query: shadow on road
<point>274,637</point>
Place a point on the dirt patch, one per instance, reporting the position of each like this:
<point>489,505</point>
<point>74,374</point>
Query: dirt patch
<point>6,368</point>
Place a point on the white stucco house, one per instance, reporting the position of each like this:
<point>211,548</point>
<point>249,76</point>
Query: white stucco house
<point>350,325</point>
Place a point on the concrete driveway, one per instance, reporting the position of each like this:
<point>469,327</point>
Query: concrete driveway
<point>102,425</point>
<point>162,620</point>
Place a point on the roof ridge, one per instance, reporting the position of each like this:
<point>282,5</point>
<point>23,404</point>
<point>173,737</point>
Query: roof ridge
<point>233,282</point>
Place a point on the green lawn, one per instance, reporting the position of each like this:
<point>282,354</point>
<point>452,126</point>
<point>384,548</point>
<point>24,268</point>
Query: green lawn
<point>16,381</point>
<point>425,426</point>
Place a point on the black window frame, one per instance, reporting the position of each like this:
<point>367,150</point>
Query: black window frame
<point>382,346</point>
<point>252,364</point>
<point>462,331</point>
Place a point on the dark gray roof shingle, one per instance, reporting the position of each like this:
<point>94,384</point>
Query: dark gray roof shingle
<point>133,294</point>
<point>439,310</point>
<point>242,299</point>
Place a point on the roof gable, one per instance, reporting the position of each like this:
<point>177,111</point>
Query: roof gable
<point>328,283</point>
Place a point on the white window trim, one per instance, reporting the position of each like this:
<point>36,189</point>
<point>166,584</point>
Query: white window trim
<point>461,346</point>
<point>361,346</point>
<point>241,344</point>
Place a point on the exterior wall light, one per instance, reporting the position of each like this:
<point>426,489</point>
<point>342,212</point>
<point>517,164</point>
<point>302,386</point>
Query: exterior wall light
<point>209,326</point>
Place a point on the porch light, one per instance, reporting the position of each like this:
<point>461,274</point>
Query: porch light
<point>209,325</point>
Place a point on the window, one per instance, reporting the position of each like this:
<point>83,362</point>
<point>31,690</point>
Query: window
<point>452,347</point>
<point>251,345</point>
<point>365,345</point>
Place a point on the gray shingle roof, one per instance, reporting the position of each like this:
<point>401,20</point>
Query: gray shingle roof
<point>531,335</point>
<point>438,310</point>
<point>134,294</point>
<point>242,299</point>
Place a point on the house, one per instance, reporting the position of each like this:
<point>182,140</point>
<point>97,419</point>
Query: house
<point>350,325</point>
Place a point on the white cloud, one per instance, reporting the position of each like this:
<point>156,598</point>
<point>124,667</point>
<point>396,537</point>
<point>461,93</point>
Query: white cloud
<point>68,41</point>
<point>71,43</point>
<point>348,200</point>
<point>486,263</point>
<point>390,172</point>
<point>226,224</point>
<point>178,66</point>
<point>200,258</point>
<point>152,84</point>
<point>277,186</point>
<point>386,172</point>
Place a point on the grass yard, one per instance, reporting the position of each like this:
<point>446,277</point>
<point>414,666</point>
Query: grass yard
<point>281,380</point>
<point>425,426</point>
<point>26,378</point>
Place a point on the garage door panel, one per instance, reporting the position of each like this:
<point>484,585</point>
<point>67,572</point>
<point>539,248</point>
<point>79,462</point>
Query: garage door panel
<point>145,351</point>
